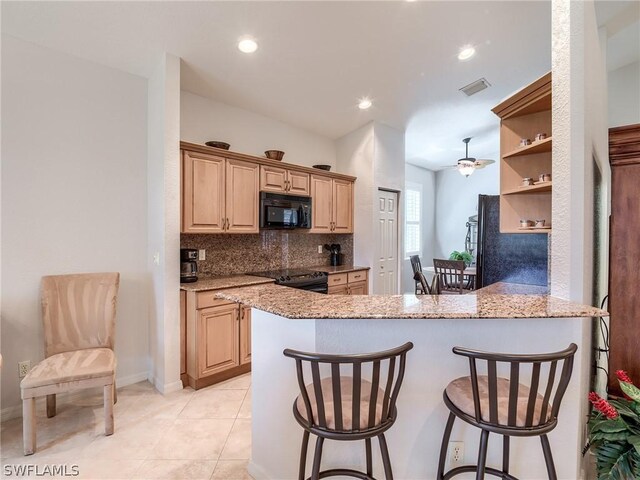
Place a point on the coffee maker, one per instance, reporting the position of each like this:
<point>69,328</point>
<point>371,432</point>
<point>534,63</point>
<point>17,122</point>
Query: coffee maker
<point>188,265</point>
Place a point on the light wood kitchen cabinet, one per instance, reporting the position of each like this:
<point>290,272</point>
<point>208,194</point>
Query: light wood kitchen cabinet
<point>342,207</point>
<point>332,209</point>
<point>219,195</point>
<point>283,180</point>
<point>203,187</point>
<point>183,338</point>
<point>242,200</point>
<point>218,334</point>
<point>351,283</point>
<point>524,115</point>
<point>245,335</point>
<point>358,288</point>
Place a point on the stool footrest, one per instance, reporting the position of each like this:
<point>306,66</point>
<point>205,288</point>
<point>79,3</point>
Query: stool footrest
<point>474,468</point>
<point>344,472</point>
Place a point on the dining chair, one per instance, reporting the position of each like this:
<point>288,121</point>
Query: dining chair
<point>344,405</point>
<point>450,275</point>
<point>421,285</point>
<point>78,313</point>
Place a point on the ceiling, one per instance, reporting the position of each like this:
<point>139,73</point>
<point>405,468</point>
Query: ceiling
<point>315,59</point>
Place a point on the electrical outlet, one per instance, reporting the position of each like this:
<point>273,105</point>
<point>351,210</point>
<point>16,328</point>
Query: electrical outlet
<point>202,254</point>
<point>456,454</point>
<point>319,248</point>
<point>23,368</point>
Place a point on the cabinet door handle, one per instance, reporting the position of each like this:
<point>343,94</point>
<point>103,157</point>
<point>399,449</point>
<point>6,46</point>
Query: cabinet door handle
<point>224,223</point>
<point>227,222</point>
<point>288,185</point>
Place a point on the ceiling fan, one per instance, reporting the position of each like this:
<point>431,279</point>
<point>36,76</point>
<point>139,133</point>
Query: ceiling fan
<point>467,165</point>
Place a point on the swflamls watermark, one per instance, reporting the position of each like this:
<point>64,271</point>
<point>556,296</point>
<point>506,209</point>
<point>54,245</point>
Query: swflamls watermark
<point>46,470</point>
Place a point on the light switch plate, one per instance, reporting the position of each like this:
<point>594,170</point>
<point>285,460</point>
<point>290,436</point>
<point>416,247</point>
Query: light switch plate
<point>319,248</point>
<point>202,254</point>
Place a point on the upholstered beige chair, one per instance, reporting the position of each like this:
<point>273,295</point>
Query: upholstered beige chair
<point>78,313</point>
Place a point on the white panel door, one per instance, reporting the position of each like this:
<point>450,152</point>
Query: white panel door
<point>387,244</point>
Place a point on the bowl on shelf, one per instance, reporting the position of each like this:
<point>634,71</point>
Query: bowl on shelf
<point>216,144</point>
<point>323,167</point>
<point>526,223</point>
<point>274,154</point>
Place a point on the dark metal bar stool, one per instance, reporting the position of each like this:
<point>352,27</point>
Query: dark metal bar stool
<point>348,407</point>
<point>496,404</point>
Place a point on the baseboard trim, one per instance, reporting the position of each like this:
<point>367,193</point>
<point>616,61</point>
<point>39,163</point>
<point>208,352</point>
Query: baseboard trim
<point>257,472</point>
<point>15,411</point>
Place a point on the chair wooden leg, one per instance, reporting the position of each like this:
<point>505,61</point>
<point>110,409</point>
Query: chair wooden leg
<point>548,457</point>
<point>386,461</point>
<point>108,409</point>
<point>367,447</point>
<point>115,392</point>
<point>303,456</point>
<point>444,446</point>
<point>317,458</point>
<point>505,454</point>
<point>29,425</point>
<point>482,455</point>
<point>51,405</point>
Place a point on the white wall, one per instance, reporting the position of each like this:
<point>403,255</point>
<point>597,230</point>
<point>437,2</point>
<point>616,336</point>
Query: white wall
<point>163,177</point>
<point>375,154</point>
<point>456,201</point>
<point>427,179</point>
<point>624,95</point>
<point>203,119</point>
<point>73,196</point>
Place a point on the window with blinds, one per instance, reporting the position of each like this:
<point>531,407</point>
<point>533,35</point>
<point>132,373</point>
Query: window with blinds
<point>412,230</point>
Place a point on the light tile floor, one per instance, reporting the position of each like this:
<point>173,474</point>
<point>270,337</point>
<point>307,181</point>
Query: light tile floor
<point>184,435</point>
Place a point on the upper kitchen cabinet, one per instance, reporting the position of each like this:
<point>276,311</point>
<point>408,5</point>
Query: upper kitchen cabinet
<point>332,209</point>
<point>284,180</point>
<point>203,188</point>
<point>242,197</point>
<point>219,195</point>
<point>221,191</point>
<point>525,163</point>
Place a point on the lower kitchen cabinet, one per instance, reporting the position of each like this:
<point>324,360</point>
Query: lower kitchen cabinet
<point>351,283</point>
<point>218,339</point>
<point>245,335</point>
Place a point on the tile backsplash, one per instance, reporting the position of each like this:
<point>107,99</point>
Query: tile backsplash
<point>268,250</point>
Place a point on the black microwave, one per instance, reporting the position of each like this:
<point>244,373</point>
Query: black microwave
<point>284,211</point>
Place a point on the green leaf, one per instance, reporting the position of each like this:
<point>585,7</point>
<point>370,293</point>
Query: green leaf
<point>635,441</point>
<point>631,391</point>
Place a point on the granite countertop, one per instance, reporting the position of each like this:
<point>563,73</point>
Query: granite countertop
<point>338,268</point>
<point>300,304</point>
<point>503,288</point>
<point>220,282</point>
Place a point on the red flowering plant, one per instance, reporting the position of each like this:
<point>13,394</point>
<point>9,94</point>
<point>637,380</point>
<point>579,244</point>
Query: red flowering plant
<point>614,432</point>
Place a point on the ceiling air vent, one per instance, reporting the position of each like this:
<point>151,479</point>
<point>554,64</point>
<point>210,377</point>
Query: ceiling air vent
<point>475,87</point>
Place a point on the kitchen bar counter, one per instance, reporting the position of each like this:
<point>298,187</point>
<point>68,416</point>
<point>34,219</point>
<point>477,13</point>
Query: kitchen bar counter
<point>503,288</point>
<point>300,304</point>
<point>514,319</point>
<point>220,282</point>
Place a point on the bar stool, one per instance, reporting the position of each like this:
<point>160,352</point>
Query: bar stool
<point>346,408</point>
<point>504,406</point>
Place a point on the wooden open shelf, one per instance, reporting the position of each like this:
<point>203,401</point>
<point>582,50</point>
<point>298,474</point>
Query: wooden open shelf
<point>536,147</point>
<point>541,187</point>
<point>524,115</point>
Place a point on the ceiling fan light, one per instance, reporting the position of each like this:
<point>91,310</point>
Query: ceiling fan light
<point>466,167</point>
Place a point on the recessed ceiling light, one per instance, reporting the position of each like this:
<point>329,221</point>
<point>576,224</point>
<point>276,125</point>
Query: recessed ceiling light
<point>364,103</point>
<point>247,45</point>
<point>466,53</point>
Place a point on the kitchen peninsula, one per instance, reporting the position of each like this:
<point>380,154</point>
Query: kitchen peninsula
<point>501,318</point>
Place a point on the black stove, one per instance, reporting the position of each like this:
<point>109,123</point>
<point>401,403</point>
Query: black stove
<point>298,278</point>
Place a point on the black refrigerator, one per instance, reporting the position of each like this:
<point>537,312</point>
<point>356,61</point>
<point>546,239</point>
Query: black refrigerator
<point>508,257</point>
